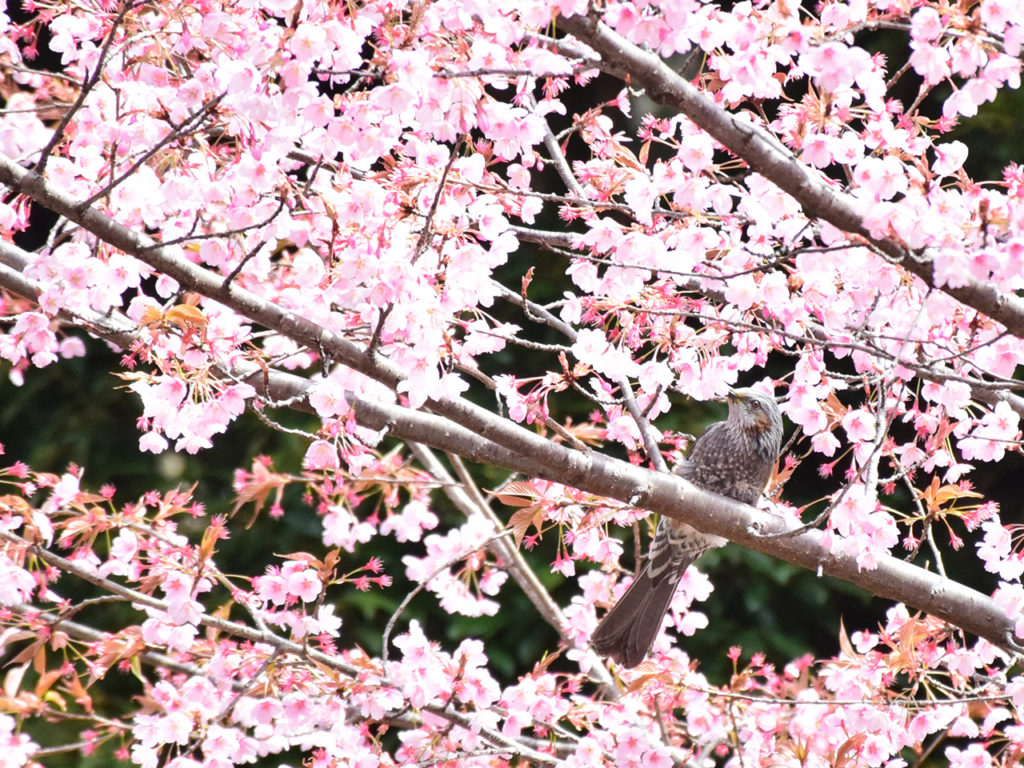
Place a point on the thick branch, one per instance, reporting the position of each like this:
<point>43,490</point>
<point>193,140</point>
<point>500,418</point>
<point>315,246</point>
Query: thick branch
<point>290,324</point>
<point>668,494</point>
<point>763,152</point>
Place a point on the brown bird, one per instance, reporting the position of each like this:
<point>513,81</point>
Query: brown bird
<point>735,458</point>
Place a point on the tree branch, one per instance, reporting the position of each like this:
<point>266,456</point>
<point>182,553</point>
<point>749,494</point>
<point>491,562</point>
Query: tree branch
<point>668,494</point>
<point>766,155</point>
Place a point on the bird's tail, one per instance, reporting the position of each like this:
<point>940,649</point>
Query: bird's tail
<point>627,631</point>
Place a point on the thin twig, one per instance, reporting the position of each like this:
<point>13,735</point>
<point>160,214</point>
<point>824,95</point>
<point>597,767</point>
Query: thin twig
<point>87,86</point>
<point>178,131</point>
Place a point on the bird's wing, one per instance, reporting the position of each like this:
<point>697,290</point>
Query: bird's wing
<point>687,467</point>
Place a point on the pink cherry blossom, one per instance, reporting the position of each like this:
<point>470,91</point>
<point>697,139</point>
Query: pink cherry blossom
<point>926,24</point>
<point>489,292</point>
<point>322,454</point>
<point>834,65</point>
<point>859,425</point>
<point>974,756</point>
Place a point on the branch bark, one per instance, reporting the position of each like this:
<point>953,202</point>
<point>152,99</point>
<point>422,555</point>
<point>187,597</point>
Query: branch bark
<point>763,153</point>
<point>668,494</point>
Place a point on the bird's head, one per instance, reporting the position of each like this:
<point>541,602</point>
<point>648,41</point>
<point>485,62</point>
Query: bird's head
<point>755,411</point>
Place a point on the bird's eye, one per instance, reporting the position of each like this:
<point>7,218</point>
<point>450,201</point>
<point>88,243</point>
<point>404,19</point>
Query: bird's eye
<point>755,405</point>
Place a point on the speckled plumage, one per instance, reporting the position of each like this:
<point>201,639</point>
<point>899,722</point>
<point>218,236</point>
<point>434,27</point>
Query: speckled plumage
<point>735,458</point>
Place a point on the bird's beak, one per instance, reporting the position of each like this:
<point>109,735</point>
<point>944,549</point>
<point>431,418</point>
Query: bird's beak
<point>734,395</point>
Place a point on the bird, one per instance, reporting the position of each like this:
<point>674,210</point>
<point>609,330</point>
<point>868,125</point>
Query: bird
<point>734,458</point>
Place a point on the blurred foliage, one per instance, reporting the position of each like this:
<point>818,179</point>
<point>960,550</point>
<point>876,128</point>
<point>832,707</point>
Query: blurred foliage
<point>992,136</point>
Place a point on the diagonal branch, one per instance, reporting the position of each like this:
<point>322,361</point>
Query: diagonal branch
<point>290,324</point>
<point>467,497</point>
<point>762,152</point>
<point>89,83</point>
<point>669,494</point>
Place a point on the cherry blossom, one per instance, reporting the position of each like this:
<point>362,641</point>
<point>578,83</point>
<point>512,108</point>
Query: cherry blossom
<point>421,229</point>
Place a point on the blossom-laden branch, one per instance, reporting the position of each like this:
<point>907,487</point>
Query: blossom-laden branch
<point>781,166</point>
<point>328,207</point>
<point>525,452</point>
<point>170,611</point>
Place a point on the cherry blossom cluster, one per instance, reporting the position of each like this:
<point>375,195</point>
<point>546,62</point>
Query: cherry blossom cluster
<point>362,203</point>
